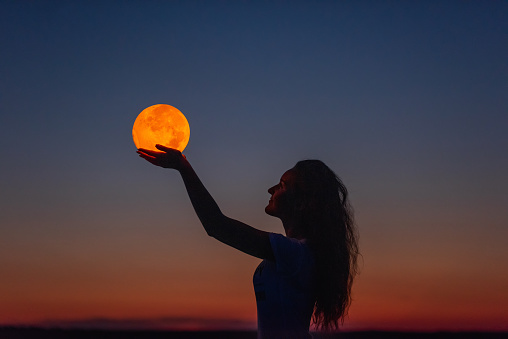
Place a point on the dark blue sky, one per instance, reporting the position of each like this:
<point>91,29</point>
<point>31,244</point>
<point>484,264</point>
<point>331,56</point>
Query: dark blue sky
<point>406,101</point>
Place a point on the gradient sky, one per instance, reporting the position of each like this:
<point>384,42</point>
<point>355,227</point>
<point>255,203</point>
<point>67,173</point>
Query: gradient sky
<point>407,101</point>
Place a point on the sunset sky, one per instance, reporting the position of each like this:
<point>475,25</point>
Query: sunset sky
<point>407,101</point>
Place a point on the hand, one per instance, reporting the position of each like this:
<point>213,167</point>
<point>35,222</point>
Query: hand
<point>168,158</point>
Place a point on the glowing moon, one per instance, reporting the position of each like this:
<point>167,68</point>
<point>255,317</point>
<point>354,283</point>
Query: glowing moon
<point>161,124</point>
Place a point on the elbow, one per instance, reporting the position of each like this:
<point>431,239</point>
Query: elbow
<point>210,230</point>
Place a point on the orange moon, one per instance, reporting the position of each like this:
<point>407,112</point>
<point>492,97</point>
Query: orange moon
<point>161,124</point>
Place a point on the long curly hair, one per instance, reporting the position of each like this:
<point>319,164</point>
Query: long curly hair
<point>326,219</point>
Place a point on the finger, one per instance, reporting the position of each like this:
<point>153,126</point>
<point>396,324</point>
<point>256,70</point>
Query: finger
<point>148,151</point>
<point>165,149</point>
<point>146,156</point>
<point>145,150</point>
<point>143,154</point>
<point>150,159</point>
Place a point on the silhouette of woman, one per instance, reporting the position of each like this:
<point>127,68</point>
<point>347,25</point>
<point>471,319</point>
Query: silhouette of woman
<point>306,274</point>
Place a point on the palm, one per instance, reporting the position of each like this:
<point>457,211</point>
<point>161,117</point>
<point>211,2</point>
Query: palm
<point>167,158</point>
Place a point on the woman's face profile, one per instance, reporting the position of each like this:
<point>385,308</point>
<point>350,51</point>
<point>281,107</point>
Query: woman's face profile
<point>281,201</point>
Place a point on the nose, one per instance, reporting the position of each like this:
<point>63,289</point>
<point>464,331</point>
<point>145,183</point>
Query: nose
<point>271,190</point>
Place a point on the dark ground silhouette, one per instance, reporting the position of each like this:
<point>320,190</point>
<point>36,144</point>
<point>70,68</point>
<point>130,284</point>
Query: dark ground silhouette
<point>37,333</point>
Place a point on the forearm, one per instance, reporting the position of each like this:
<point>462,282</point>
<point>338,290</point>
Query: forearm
<point>204,205</point>
<point>229,231</point>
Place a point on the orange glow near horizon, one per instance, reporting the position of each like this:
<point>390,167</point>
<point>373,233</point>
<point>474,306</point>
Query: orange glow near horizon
<point>181,300</point>
<point>179,278</point>
<point>161,124</point>
<point>165,276</point>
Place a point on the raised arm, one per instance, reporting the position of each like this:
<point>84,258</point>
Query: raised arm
<point>229,231</point>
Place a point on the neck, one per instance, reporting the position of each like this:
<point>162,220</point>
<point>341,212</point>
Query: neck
<point>292,231</point>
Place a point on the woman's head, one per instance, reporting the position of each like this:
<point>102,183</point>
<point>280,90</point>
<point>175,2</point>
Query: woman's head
<point>281,204</point>
<point>317,199</point>
<point>305,192</point>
